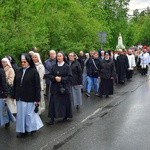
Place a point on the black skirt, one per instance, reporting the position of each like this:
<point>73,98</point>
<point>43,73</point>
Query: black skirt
<point>106,87</point>
<point>60,106</point>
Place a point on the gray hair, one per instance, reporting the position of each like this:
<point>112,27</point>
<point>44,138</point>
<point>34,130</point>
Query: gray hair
<point>52,51</point>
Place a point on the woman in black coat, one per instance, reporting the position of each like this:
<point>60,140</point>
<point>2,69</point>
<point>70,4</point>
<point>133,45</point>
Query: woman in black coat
<point>107,74</point>
<point>60,99</point>
<point>76,80</point>
<point>27,94</point>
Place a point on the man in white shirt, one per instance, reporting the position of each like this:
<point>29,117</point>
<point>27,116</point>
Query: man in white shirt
<point>131,59</point>
<point>144,61</point>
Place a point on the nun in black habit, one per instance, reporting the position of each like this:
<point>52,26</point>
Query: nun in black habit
<point>107,74</point>
<point>122,66</point>
<point>60,100</point>
<point>27,94</point>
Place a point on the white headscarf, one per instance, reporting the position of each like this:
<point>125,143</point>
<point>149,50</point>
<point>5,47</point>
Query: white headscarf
<point>31,53</point>
<point>38,56</point>
<point>7,62</point>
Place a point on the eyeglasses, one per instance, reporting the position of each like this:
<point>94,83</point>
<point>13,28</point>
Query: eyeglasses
<point>4,62</point>
<point>23,62</point>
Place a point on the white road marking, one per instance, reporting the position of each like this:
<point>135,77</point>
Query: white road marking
<point>71,129</point>
<point>95,112</point>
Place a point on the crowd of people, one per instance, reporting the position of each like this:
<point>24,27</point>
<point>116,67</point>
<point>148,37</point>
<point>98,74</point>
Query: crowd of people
<point>61,79</point>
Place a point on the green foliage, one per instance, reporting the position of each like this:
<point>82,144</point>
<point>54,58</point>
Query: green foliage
<point>68,25</point>
<point>140,27</point>
<point>60,25</point>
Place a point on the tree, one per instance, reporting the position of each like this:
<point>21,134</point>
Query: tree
<point>140,26</point>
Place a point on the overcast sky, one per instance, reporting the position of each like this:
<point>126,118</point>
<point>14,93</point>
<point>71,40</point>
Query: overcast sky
<point>138,4</point>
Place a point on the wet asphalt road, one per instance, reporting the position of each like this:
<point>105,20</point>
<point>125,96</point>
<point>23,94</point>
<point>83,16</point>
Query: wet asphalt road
<point>121,122</point>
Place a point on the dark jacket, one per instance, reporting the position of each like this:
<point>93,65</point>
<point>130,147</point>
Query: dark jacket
<point>76,73</point>
<point>107,69</point>
<point>15,67</point>
<point>48,65</point>
<point>91,69</point>
<point>122,65</point>
<point>29,90</point>
<point>81,60</point>
<point>3,85</point>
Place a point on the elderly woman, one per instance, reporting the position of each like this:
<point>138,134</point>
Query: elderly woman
<point>5,114</point>
<point>27,90</point>
<point>12,62</point>
<point>10,74</point>
<point>76,80</point>
<point>41,70</point>
<point>60,99</point>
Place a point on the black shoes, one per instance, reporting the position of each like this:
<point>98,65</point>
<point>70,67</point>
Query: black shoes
<point>121,82</point>
<point>50,122</point>
<point>77,107</point>
<point>87,94</point>
<point>100,96</point>
<point>64,119</point>
<point>107,96</point>
<point>32,132</point>
<point>7,125</point>
<point>21,135</point>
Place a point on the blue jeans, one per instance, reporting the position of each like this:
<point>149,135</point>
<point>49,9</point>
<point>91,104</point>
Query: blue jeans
<point>92,82</point>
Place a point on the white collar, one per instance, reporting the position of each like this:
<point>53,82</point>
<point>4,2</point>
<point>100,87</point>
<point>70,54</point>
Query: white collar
<point>60,64</point>
<point>24,69</point>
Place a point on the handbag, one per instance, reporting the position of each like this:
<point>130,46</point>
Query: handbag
<point>96,69</point>
<point>36,108</point>
<point>7,113</point>
<point>62,90</point>
<point>9,90</point>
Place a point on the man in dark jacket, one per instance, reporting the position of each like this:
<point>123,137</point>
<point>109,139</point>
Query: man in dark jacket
<point>48,65</point>
<point>92,66</point>
<point>81,59</point>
